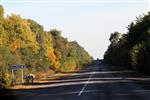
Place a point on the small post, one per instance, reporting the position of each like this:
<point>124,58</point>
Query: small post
<point>12,76</point>
<point>22,76</point>
<point>12,73</point>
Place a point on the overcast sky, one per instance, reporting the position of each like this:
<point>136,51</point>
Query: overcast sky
<point>88,22</point>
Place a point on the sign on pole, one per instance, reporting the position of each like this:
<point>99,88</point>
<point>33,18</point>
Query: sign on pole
<point>14,67</point>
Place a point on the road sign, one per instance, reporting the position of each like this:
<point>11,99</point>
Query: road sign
<point>16,66</point>
<point>20,66</point>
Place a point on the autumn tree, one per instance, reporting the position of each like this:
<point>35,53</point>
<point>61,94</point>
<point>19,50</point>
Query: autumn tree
<point>1,11</point>
<point>24,41</point>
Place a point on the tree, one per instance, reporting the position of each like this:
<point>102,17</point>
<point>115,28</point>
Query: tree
<point>1,11</point>
<point>114,38</point>
<point>20,30</point>
<point>24,41</point>
<point>133,48</point>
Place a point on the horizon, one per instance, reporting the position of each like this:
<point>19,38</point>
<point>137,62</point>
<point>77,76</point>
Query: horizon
<point>88,23</point>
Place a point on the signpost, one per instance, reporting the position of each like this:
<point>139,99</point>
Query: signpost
<point>14,67</point>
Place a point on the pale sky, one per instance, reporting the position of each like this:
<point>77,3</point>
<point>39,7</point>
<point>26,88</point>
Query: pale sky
<point>89,22</point>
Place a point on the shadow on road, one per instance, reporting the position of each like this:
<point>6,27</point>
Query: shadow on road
<point>96,82</point>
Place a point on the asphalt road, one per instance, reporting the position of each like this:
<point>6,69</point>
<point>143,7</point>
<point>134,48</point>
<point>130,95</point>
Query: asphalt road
<point>95,82</point>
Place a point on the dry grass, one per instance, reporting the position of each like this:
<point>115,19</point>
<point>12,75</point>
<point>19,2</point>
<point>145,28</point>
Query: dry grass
<point>43,74</point>
<point>43,77</point>
<point>20,87</point>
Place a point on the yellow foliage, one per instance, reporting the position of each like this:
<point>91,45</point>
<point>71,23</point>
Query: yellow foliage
<point>16,45</point>
<point>47,43</point>
<point>56,65</point>
<point>3,39</point>
<point>7,77</point>
<point>58,55</point>
<point>51,55</point>
<point>20,29</point>
<point>53,58</point>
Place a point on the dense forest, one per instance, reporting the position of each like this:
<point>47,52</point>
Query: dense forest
<point>133,48</point>
<point>24,41</point>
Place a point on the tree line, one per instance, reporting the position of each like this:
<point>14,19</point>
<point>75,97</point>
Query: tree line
<point>133,48</point>
<point>24,41</point>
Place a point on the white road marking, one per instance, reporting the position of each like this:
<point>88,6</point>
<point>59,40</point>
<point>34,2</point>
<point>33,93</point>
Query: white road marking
<point>82,90</point>
<point>103,72</point>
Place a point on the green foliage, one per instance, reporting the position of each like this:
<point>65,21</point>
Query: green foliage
<point>59,43</point>
<point>143,58</point>
<point>78,52</point>
<point>24,41</point>
<point>21,34</point>
<point>134,53</point>
<point>133,49</point>
<point>68,65</point>
<point>114,38</point>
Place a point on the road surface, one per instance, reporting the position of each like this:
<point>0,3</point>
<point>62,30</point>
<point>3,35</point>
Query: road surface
<point>95,82</point>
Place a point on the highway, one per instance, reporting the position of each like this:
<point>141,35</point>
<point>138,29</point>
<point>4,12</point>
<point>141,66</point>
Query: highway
<point>95,82</point>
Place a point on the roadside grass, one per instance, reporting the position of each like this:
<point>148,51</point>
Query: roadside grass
<point>43,77</point>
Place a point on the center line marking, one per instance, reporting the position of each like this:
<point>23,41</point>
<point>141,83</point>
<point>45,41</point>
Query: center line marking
<point>82,90</point>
